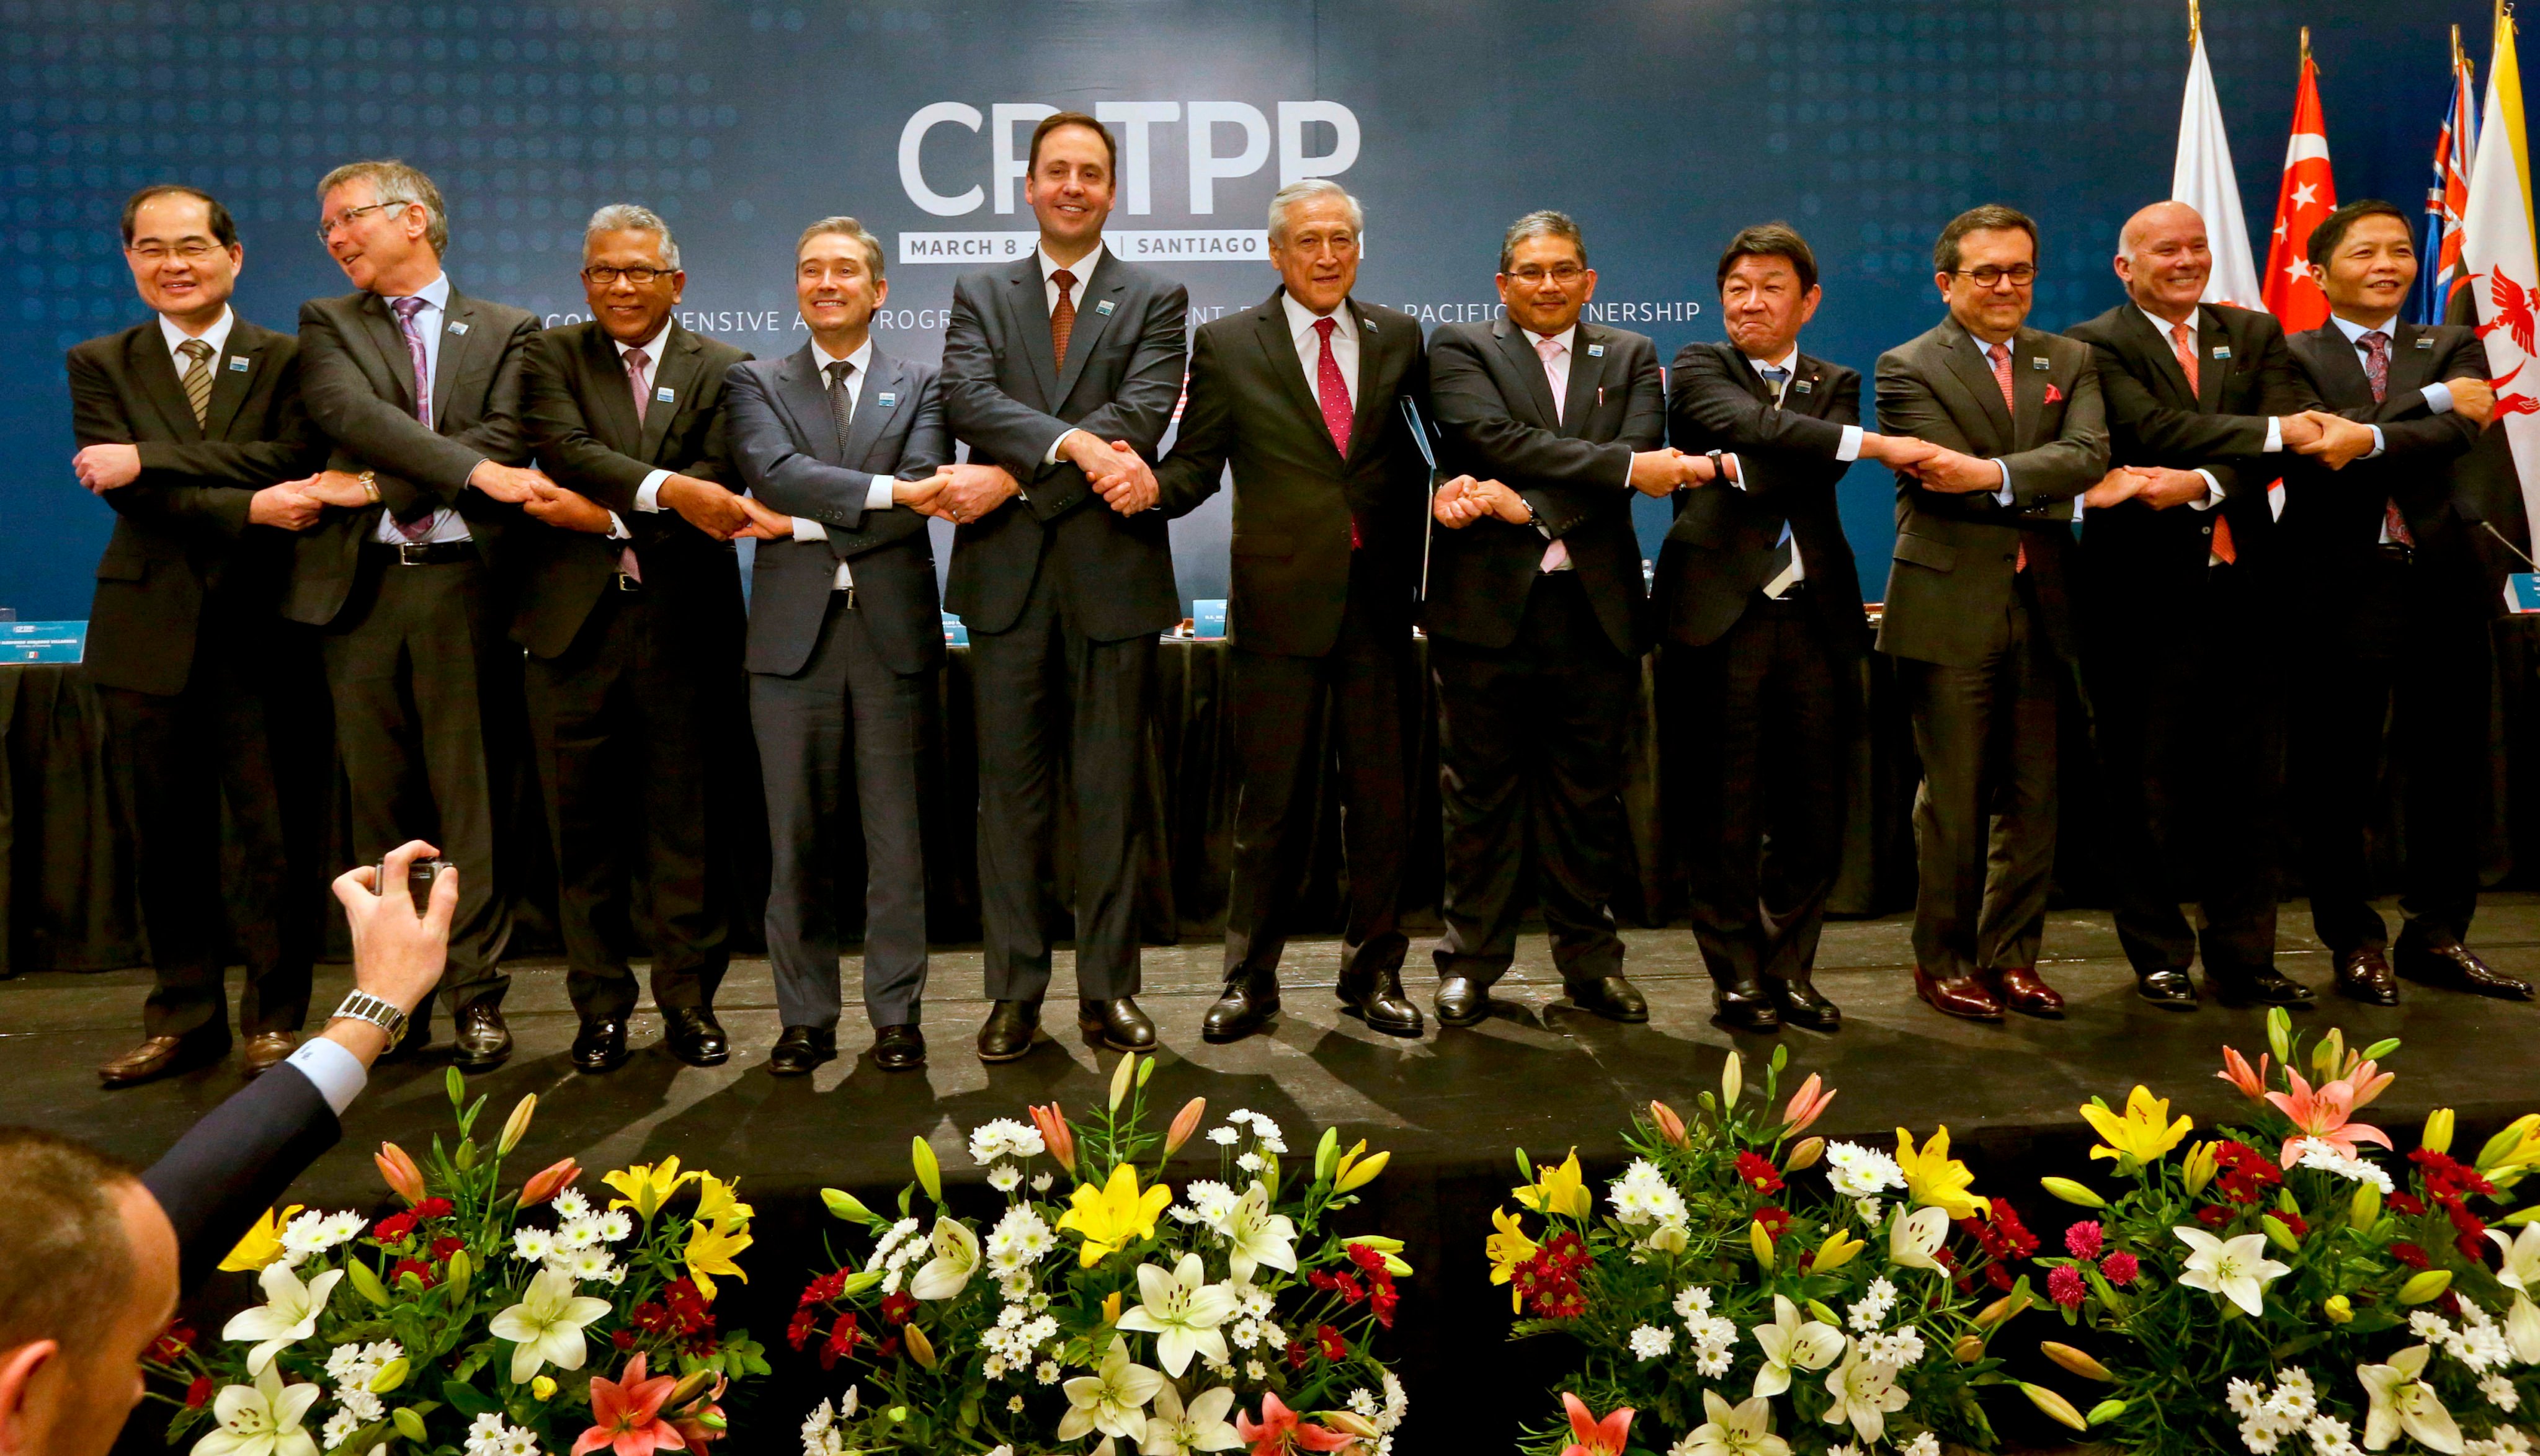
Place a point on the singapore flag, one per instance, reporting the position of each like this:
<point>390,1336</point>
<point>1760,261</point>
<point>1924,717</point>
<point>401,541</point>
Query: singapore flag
<point>2498,254</point>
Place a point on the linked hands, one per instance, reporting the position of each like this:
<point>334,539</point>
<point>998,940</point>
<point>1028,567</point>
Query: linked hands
<point>1661,474</point>
<point>1463,500</point>
<point>297,505</point>
<point>2156,486</point>
<point>512,484</point>
<point>569,511</point>
<point>104,467</point>
<point>2473,399</point>
<point>1124,481</point>
<point>2332,440</point>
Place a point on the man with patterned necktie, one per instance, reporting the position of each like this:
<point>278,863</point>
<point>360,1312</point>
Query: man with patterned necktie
<point>2397,596</point>
<point>190,426</point>
<point>418,386</point>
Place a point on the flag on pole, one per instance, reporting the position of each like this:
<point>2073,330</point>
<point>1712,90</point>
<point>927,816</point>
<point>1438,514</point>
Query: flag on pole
<point>2440,270</point>
<point>2497,256</point>
<point>2307,195</point>
<point>2203,180</point>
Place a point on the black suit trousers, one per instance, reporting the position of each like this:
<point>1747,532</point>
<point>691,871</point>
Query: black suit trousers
<point>620,722</point>
<point>1758,728</point>
<point>248,733</point>
<point>1279,705</point>
<point>1531,742</point>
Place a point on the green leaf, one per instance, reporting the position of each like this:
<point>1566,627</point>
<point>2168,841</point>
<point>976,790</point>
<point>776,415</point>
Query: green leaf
<point>466,1399</point>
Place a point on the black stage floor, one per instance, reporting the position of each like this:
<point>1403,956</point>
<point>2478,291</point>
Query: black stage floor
<point>1450,1106</point>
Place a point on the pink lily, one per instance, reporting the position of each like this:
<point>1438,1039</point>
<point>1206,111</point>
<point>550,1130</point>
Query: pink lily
<point>690,1420</point>
<point>1281,1432</point>
<point>2236,1072</point>
<point>1605,1437</point>
<point>2321,1116</point>
<point>2368,1081</point>
<point>627,1414</point>
<point>1806,1106</point>
<point>397,1169</point>
<point>1056,1135</point>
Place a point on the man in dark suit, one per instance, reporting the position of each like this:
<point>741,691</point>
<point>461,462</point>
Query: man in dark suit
<point>2175,589</point>
<point>2394,571</point>
<point>190,426</point>
<point>1762,633</point>
<point>631,615</point>
<point>1977,612</point>
<point>418,386</point>
<point>1535,616</point>
<point>102,1252</point>
<point>845,448</point>
<point>1302,397</point>
<point>1063,368</point>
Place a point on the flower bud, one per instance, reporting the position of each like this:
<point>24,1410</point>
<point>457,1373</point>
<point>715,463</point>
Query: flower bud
<point>1670,1238</point>
<point>543,1387</point>
<point>1185,1123</point>
<point>1761,1241</point>
<point>2197,1170</point>
<point>2328,1057</point>
<point>1804,1156</point>
<point>517,1125</point>
<point>2438,1131</point>
<point>2000,1310</point>
<point>366,1282</point>
<point>689,1388</point>
<point>408,1425</point>
<point>403,1178</point>
<point>2338,1308</point>
<point>1968,1350</point>
<point>391,1376</point>
<point>550,1181</point>
<point>2364,1207</point>
<point>1732,1080</point>
<point>1111,1308</point>
<point>2278,1233</point>
<point>1120,1076</point>
<point>920,1349</point>
<point>1824,1313</point>
<point>2424,1285</point>
<point>930,1173</point>
<point>2055,1406</point>
<point>2078,1362</point>
<point>2105,1411</point>
<point>1362,1172</point>
<point>1349,1423</point>
<point>465,1157</point>
<point>845,1206</point>
<point>461,1269</point>
<point>2073,1193</point>
<point>1669,1125</point>
<point>1834,1253</point>
<point>1327,1154</point>
<point>2280,1033</point>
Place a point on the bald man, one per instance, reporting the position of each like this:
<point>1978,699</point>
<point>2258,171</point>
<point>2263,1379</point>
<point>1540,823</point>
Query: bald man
<point>2175,602</point>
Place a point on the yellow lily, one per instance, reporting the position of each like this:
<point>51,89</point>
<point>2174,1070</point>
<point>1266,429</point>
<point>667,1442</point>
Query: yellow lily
<point>1113,1216</point>
<point>2516,1147</point>
<point>1507,1249</point>
<point>1937,1180</point>
<point>2143,1133</point>
<point>647,1186</point>
<point>719,1202</point>
<point>1357,1175</point>
<point>1562,1190</point>
<point>262,1243</point>
<point>1835,1252</point>
<point>710,1251</point>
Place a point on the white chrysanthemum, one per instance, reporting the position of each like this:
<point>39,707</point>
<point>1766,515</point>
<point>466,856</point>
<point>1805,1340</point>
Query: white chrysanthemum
<point>577,1233</point>
<point>1649,1342</point>
<point>1005,1138</point>
<point>1006,1177</point>
<point>1870,1311</point>
<point>1693,1300</point>
<point>1046,1372</point>
<point>2243,1398</point>
<point>1926,1444</point>
<point>1040,1182</point>
<point>1256,1371</point>
<point>571,1205</point>
<point>1224,1136</point>
<point>537,1245</point>
<point>2499,1391</point>
<point>1855,1171</point>
<point>340,1428</point>
<point>616,1225</point>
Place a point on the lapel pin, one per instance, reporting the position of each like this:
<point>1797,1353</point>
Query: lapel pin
<point>887,400</point>
<point>1103,307</point>
<point>1368,323</point>
<point>238,363</point>
<point>2424,341</point>
<point>2222,351</point>
<point>1595,351</point>
<point>2039,364</point>
<point>457,326</point>
<point>666,395</point>
<point>1803,385</point>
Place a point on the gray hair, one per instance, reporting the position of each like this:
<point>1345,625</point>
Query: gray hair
<point>395,185</point>
<point>844,227</point>
<point>1306,190</point>
<point>1542,224</point>
<point>632,217</point>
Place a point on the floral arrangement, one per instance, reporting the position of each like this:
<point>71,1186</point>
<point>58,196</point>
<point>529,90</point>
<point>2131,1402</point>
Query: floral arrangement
<point>477,1321</point>
<point>1745,1290</point>
<point>2278,1287</point>
<point>1118,1314</point>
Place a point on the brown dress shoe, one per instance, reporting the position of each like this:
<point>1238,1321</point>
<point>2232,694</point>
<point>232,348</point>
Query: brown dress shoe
<point>2022,989</point>
<point>267,1050</point>
<point>1963,997</point>
<point>162,1055</point>
<point>2452,964</point>
<point>2363,975</point>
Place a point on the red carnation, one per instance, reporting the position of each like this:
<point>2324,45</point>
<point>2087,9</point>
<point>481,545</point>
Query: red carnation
<point>1297,1353</point>
<point>623,1338</point>
<point>394,1228</point>
<point>2064,1285</point>
<point>2405,1203</point>
<point>826,1287</point>
<point>1999,1277</point>
<point>2120,1268</point>
<point>1758,1173</point>
<point>2214,1215</point>
<point>842,1340</point>
<point>2085,1239</point>
<point>1383,1302</point>
<point>2410,1255</point>
<point>417,1267</point>
<point>1334,1347</point>
<point>433,1207</point>
<point>1366,1259</point>
<point>2292,1222</point>
<point>799,1332</point>
<point>198,1393</point>
<point>887,1349</point>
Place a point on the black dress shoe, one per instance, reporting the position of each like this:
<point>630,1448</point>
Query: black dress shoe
<point>601,1045</point>
<point>2364,975</point>
<point>2457,967</point>
<point>1745,1006</point>
<point>2268,988</point>
<point>2171,991</point>
<point>1116,1023</point>
<point>1247,1006</point>
<point>1802,1005</point>
<point>695,1037</point>
<point>1375,997</point>
<point>1011,1030</point>
<point>1611,997</point>
<point>799,1049</point>
<point>1462,1002</point>
<point>899,1048</point>
<point>481,1040</point>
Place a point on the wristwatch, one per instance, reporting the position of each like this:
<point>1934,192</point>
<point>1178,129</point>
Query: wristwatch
<point>360,1006</point>
<point>370,486</point>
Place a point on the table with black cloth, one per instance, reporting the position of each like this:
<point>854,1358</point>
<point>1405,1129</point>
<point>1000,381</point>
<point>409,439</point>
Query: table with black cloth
<point>66,853</point>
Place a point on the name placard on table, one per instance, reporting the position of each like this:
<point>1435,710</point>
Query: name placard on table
<point>43,642</point>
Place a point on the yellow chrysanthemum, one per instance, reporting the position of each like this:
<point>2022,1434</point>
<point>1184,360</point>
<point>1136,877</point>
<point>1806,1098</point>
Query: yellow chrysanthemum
<point>2143,1133</point>
<point>1113,1216</point>
<point>1934,1179</point>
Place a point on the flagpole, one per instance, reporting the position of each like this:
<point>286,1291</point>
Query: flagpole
<point>2195,24</point>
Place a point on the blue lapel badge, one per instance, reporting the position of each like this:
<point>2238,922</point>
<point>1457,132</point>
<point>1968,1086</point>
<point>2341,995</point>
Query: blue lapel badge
<point>238,363</point>
<point>458,325</point>
<point>1595,351</point>
<point>2222,351</point>
<point>887,400</point>
<point>1103,307</point>
<point>2038,364</point>
<point>2424,341</point>
<point>666,395</point>
<point>1804,387</point>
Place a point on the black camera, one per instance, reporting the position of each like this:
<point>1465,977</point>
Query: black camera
<point>419,877</point>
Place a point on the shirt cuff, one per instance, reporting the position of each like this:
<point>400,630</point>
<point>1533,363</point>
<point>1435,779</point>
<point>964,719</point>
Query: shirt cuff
<point>2377,444</point>
<point>808,530</point>
<point>2439,399</point>
<point>1850,450</point>
<point>2213,493</point>
<point>617,530</point>
<point>648,495</point>
<point>2004,495</point>
<point>337,1073</point>
<point>2275,436</point>
<point>878,494</point>
<point>1050,457</point>
<point>1731,472</point>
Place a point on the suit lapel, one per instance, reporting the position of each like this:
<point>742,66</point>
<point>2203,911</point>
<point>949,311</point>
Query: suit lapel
<point>1966,360</point>
<point>385,336</point>
<point>2155,346</point>
<point>1586,372</point>
<point>1521,355</point>
<point>676,372</point>
<point>1029,294</point>
<point>2411,367</point>
<point>882,377</point>
<point>230,385</point>
<point>1374,381</point>
<point>459,334</point>
<point>2210,330</point>
<point>1103,287</point>
<point>155,369</point>
<point>2028,385</point>
<point>1812,401</point>
<point>2340,368</point>
<point>800,389</point>
<point>616,402</point>
<point>1279,349</point>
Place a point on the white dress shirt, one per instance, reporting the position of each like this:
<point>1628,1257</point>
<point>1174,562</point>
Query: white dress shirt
<point>337,1073</point>
<point>1082,270</point>
<point>218,336</point>
<point>877,496</point>
<point>1309,346</point>
<point>447,523</point>
<point>1734,473</point>
<point>2275,429</point>
<point>648,495</point>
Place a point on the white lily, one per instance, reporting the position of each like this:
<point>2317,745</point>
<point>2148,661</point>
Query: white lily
<point>261,1420</point>
<point>546,1324</point>
<point>2237,1270</point>
<point>1789,1342</point>
<point>2521,1264</point>
<point>1174,1430</point>
<point>288,1315</point>
<point>1742,1429</point>
<point>1913,1238</point>
<point>1182,1310</point>
<point>1256,1236</point>
<point>1864,1392</point>
<point>956,1258</point>
<point>2401,1401</point>
<point>2522,1329</point>
<point>1113,1400</point>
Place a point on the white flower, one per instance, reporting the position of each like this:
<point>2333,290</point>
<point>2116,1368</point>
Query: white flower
<point>1182,1310</point>
<point>1787,1343</point>
<point>1926,1444</point>
<point>1863,1394</point>
<point>1113,1400</point>
<point>1256,1371</point>
<point>1742,1429</point>
<point>261,1420</point>
<point>2499,1391</point>
<point>616,1225</point>
<point>1040,1182</point>
<point>2237,1271</point>
<point>288,1315</point>
<point>1005,1138</point>
<point>546,1324</point>
<point>2330,1436</point>
<point>2243,1397</point>
<point>1899,1349</point>
<point>1855,1171</point>
<point>1870,1311</point>
<point>1868,1211</point>
<point>577,1233</point>
<point>2403,1402</point>
<point>1176,1431</point>
<point>2318,1155</point>
<point>339,1427</point>
<point>819,1432</point>
<point>956,1258</point>
<point>1648,1341</point>
<point>1224,1136</point>
<point>1253,1163</point>
<point>1913,1238</point>
<point>1005,1177</point>
<point>592,1263</point>
<point>535,1245</point>
<point>313,1232</point>
<point>571,1205</point>
<point>1046,1372</point>
<point>1692,1300</point>
<point>1256,1236</point>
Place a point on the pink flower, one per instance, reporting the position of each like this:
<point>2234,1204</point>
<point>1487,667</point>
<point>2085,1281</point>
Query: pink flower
<point>2368,1082</point>
<point>1606,1437</point>
<point>2321,1116</point>
<point>1806,1106</point>
<point>550,1181</point>
<point>1056,1134</point>
<point>627,1414</point>
<point>403,1178</point>
<point>2065,1286</point>
<point>1282,1431</point>
<point>1670,1125</point>
<point>1185,1123</point>
<point>2082,1239</point>
<point>2121,1268</point>
<point>2236,1072</point>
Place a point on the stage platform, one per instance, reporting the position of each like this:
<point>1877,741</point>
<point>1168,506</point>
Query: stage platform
<point>1450,1105</point>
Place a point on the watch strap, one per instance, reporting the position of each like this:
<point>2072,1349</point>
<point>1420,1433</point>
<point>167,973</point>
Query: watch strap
<point>360,1006</point>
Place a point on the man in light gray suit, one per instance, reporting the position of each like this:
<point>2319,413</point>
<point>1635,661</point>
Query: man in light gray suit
<point>843,448</point>
<point>1977,611</point>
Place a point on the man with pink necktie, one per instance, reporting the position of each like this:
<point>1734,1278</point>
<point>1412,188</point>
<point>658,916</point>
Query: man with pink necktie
<point>1536,616</point>
<point>1977,614</point>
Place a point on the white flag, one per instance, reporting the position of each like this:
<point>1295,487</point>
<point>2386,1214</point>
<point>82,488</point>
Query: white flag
<point>2203,180</point>
<point>2497,256</point>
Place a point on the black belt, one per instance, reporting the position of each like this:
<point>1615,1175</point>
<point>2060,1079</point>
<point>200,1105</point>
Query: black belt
<point>1790,594</point>
<point>425,553</point>
<point>2396,554</point>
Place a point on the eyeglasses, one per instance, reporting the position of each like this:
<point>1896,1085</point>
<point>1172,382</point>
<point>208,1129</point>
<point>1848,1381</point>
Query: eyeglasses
<point>326,229</point>
<point>2020,275</point>
<point>1565,275</point>
<point>192,251</point>
<point>599,277</point>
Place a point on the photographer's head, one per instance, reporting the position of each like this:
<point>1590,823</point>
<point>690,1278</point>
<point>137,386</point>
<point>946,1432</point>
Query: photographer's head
<point>88,1282</point>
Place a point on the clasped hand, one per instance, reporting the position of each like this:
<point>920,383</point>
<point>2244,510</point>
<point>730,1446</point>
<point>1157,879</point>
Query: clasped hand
<point>1463,500</point>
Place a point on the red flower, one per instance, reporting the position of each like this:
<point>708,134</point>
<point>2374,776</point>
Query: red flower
<point>650,1318</point>
<point>173,1341</point>
<point>1334,1347</point>
<point>198,1393</point>
<point>799,1330</point>
<point>2292,1222</point>
<point>2245,1172</point>
<point>826,1287</point>
<point>887,1349</point>
<point>1383,1302</point>
<point>1775,1219</point>
<point>622,1338</point>
<point>2085,1239</point>
<point>2410,1255</point>
<point>417,1267</point>
<point>2015,1235</point>
<point>2120,1268</point>
<point>1297,1353</point>
<point>1758,1173</point>
<point>1999,1277</point>
<point>394,1228</point>
<point>2405,1203</point>
<point>2446,1177</point>
<point>2064,1285</point>
<point>1567,1253</point>
<point>445,1246</point>
<point>433,1207</point>
<point>843,1336</point>
<point>2214,1215</point>
<point>1563,1303</point>
<point>1368,1260</point>
<point>898,1307</point>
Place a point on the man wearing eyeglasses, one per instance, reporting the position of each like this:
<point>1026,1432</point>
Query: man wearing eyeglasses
<point>418,386</point>
<point>631,616</point>
<point>1977,613</point>
<point>190,426</point>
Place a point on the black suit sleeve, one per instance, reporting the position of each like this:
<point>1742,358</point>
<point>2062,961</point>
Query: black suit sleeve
<point>203,485</point>
<point>1769,475</point>
<point>1469,407</point>
<point>410,460</point>
<point>230,1167</point>
<point>1717,409</point>
<point>1193,471</point>
<point>560,435</point>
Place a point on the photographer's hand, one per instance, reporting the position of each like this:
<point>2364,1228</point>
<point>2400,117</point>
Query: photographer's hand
<point>397,955</point>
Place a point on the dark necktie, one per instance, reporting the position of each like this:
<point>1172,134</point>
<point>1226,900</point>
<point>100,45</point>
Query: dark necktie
<point>199,378</point>
<point>2376,369</point>
<point>636,360</point>
<point>1062,314</point>
<point>405,310</point>
<point>1786,552</point>
<point>842,404</point>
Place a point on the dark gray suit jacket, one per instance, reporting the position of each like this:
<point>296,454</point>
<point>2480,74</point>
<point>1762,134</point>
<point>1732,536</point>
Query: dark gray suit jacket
<point>358,384</point>
<point>231,1167</point>
<point>1008,400</point>
<point>782,441</point>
